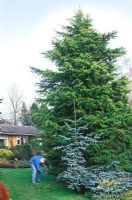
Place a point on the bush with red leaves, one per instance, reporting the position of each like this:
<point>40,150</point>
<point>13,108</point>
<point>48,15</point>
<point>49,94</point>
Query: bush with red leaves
<point>4,194</point>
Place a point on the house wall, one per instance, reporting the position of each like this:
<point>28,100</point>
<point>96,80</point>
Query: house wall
<point>12,141</point>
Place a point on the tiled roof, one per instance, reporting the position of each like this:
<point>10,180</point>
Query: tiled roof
<point>6,129</point>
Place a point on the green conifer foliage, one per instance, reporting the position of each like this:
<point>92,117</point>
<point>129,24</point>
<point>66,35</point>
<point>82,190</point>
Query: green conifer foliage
<point>87,74</point>
<point>25,117</point>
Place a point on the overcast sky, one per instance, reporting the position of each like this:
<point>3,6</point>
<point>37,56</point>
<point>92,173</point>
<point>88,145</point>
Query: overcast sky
<point>27,27</point>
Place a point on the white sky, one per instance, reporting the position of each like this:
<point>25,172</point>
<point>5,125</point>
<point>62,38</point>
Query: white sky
<point>27,27</point>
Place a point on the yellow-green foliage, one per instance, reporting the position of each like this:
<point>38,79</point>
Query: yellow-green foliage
<point>5,153</point>
<point>124,196</point>
<point>107,184</point>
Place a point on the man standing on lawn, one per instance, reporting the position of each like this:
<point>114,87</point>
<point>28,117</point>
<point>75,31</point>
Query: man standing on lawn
<point>36,163</point>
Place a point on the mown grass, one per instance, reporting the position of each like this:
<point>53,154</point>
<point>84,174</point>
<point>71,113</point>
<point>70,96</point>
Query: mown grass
<point>20,187</point>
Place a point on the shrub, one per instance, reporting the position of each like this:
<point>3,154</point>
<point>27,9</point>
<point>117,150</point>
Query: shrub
<point>5,153</point>
<point>4,194</point>
<point>107,180</point>
<point>124,196</point>
<point>23,164</point>
<point>25,151</point>
<point>4,161</point>
<point>2,145</point>
<point>22,152</point>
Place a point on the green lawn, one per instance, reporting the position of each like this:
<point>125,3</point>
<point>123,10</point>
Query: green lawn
<point>20,187</point>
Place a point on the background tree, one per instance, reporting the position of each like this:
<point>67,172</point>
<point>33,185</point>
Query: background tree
<point>14,104</point>
<point>34,109</point>
<point>87,73</point>
<point>25,117</point>
<point>41,119</point>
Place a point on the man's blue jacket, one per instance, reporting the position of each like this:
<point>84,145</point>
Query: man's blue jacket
<point>35,160</point>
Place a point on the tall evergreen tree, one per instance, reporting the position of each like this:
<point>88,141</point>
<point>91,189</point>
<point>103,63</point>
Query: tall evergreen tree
<point>25,117</point>
<point>86,74</point>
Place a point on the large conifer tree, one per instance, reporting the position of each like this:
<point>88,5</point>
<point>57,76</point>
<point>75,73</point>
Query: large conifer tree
<point>86,74</point>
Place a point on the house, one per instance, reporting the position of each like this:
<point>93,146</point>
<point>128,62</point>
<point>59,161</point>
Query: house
<point>12,135</point>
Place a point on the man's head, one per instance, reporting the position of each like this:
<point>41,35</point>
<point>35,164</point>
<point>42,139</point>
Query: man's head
<point>42,160</point>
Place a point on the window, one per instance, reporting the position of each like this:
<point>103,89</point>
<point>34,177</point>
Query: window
<point>22,140</point>
<point>2,141</point>
<point>18,140</point>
